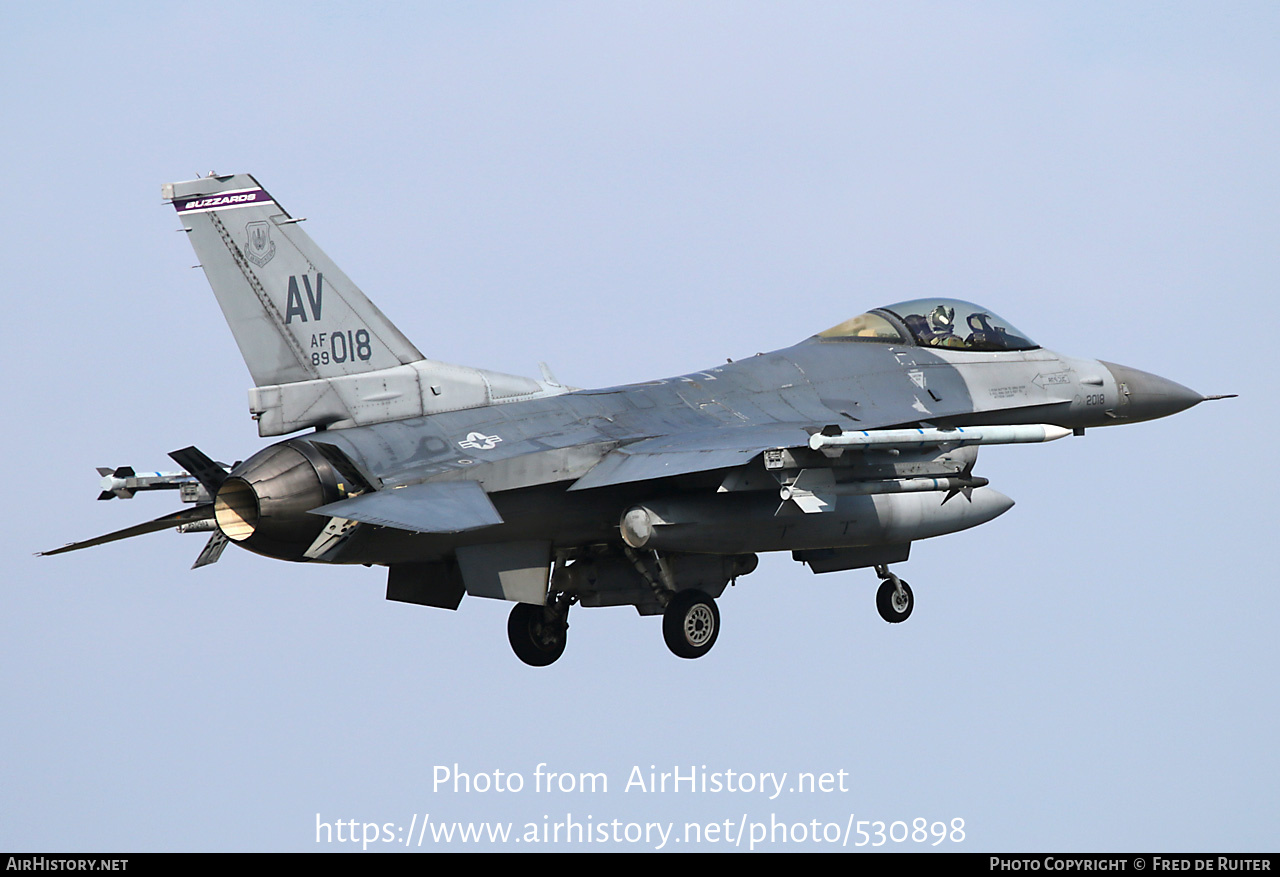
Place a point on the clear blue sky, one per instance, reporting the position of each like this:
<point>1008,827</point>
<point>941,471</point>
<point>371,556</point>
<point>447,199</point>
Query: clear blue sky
<point>630,191</point>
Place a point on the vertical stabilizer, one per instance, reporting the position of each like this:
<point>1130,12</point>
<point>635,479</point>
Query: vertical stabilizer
<point>295,315</point>
<point>321,355</point>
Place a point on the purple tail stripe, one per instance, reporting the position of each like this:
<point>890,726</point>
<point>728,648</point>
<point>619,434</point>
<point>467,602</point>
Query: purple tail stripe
<point>225,199</point>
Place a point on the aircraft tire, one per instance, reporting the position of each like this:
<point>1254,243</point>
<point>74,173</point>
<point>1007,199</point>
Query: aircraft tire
<point>530,640</point>
<point>890,609</point>
<point>691,624</point>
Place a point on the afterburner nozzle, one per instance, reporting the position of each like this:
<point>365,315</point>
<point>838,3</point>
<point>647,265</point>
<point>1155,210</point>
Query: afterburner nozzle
<point>264,505</point>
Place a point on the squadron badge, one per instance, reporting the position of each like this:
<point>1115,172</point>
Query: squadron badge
<point>259,248</point>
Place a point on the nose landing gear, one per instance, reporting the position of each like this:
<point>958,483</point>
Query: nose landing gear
<point>894,599</point>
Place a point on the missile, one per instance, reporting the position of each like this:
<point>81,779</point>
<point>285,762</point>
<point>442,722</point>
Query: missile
<point>961,435</point>
<point>899,485</point>
<point>123,482</point>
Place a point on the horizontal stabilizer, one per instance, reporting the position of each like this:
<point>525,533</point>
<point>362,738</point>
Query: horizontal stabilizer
<point>437,507</point>
<point>186,516</point>
<point>206,471</point>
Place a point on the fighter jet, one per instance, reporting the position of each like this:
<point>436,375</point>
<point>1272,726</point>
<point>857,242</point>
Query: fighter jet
<point>843,449</point>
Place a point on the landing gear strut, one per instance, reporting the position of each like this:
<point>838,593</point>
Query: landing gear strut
<point>690,624</point>
<point>538,633</point>
<point>894,598</point>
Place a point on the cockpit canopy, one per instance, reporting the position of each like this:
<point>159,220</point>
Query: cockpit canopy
<point>933,322</point>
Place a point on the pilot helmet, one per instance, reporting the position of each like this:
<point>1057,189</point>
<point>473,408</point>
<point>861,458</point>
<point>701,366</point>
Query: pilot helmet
<point>941,317</point>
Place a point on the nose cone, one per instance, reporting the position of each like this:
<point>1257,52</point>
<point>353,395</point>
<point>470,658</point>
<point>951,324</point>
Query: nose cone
<point>1144,396</point>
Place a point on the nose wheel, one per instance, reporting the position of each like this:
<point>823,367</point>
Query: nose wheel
<point>894,599</point>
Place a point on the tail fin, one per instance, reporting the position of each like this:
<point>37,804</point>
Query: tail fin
<point>294,314</point>
<point>320,353</point>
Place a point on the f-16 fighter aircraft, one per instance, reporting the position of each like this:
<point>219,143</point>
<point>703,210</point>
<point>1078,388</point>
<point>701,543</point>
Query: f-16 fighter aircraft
<point>843,449</point>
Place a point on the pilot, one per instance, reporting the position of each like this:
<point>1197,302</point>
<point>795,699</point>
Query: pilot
<point>941,332</point>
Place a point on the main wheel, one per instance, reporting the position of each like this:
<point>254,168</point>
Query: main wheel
<point>535,640</point>
<point>895,608</point>
<point>691,624</point>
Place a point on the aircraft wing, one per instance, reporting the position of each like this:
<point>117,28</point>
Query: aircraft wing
<point>683,454</point>
<point>436,507</point>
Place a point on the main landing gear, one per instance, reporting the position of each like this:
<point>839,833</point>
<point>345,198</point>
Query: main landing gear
<point>538,633</point>
<point>690,624</point>
<point>681,587</point>
<point>690,618</point>
<point>894,598</point>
